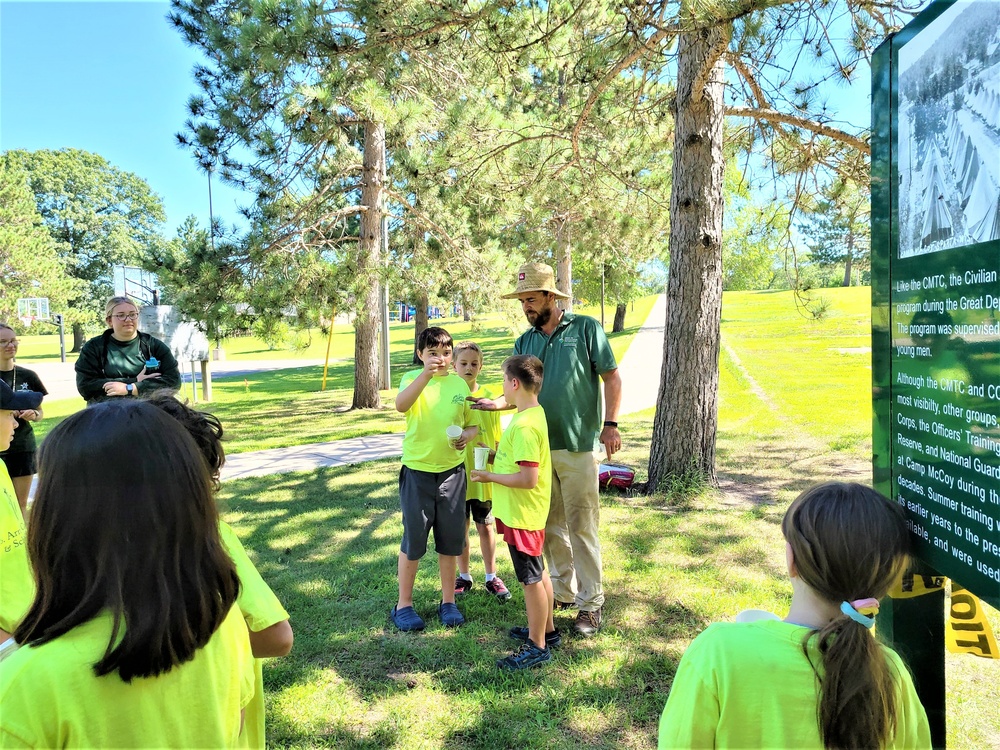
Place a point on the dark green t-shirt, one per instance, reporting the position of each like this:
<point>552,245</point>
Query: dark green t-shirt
<point>575,356</point>
<point>20,379</point>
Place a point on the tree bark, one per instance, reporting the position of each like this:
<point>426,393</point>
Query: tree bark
<point>78,337</point>
<point>850,258</point>
<point>366,320</point>
<point>619,324</point>
<point>686,421</point>
<point>564,263</point>
<point>420,322</point>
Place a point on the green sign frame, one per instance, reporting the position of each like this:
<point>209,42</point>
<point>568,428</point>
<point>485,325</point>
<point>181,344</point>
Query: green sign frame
<point>936,319</point>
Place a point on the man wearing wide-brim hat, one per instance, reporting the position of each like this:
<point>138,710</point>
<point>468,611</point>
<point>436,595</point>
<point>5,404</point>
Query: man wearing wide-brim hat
<point>576,356</point>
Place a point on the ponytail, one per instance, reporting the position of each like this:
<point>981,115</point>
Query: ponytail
<point>857,707</point>
<point>849,542</point>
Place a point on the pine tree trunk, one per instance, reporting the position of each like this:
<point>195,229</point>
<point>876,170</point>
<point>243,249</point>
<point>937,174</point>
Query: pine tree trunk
<point>420,322</point>
<point>686,421</point>
<point>850,259</point>
<point>366,321</point>
<point>564,264</point>
<point>619,318</point>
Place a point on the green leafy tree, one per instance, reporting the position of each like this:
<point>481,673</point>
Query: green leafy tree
<point>837,228</point>
<point>98,215</point>
<point>299,102</point>
<point>752,243</point>
<point>30,263</point>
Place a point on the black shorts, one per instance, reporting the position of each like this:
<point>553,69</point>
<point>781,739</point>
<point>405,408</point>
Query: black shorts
<point>527,568</point>
<point>20,464</point>
<point>432,501</point>
<point>481,511</point>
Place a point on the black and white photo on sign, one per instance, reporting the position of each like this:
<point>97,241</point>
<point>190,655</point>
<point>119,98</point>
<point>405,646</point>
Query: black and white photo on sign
<point>949,131</point>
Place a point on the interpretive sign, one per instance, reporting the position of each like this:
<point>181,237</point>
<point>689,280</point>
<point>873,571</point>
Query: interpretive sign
<point>936,290</point>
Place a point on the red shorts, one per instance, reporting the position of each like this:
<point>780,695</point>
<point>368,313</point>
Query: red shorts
<point>528,542</point>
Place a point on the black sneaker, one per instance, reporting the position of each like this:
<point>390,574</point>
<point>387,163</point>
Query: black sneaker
<point>526,657</point>
<point>462,586</point>
<point>520,633</point>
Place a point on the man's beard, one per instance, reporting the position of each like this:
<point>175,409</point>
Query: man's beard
<point>542,317</point>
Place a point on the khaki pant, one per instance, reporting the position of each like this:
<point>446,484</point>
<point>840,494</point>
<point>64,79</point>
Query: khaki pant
<point>572,547</point>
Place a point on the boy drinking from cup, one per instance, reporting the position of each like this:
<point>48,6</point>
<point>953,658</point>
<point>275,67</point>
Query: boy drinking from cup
<point>522,475</point>
<point>432,480</point>
<point>478,496</point>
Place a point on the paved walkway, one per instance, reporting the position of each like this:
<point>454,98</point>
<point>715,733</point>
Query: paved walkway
<point>639,368</point>
<point>60,377</point>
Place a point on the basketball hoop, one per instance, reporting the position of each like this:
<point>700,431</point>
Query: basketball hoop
<point>27,320</point>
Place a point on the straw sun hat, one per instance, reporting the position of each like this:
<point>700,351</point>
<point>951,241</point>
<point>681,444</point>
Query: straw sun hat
<point>536,277</point>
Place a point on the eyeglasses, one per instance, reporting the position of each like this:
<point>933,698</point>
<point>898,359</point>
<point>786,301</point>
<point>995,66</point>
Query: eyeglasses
<point>125,316</point>
<point>8,342</point>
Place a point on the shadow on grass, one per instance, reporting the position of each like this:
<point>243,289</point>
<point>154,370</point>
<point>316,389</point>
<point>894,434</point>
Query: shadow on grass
<point>327,542</point>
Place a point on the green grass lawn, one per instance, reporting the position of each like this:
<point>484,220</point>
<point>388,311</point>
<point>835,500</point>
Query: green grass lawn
<point>286,407</point>
<point>327,541</point>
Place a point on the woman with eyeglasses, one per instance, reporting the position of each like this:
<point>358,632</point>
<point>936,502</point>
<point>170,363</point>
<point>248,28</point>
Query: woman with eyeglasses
<point>123,361</point>
<point>20,456</point>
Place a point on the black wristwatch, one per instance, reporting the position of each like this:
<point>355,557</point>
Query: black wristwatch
<point>609,423</point>
<point>129,388</point>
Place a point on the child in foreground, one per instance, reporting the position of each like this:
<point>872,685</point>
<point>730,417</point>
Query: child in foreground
<point>818,678</point>
<point>132,639</point>
<point>432,479</point>
<point>522,473</point>
<point>478,495</point>
<point>267,621</point>
<point>17,587</point>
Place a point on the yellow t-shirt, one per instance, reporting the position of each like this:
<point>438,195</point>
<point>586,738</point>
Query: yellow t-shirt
<point>525,439</point>
<point>489,433</point>
<point>50,696</point>
<point>261,609</point>
<point>17,587</point>
<point>440,404</point>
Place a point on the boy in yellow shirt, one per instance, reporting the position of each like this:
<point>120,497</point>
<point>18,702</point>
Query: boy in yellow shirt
<point>522,475</point>
<point>432,480</point>
<point>468,364</point>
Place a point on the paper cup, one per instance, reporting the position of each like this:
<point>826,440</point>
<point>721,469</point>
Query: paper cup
<point>481,456</point>
<point>454,432</point>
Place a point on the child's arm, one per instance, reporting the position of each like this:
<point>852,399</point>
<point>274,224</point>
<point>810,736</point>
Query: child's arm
<point>525,479</point>
<point>407,397</point>
<point>275,640</point>
<point>468,434</point>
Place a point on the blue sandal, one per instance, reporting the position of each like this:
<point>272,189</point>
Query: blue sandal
<point>406,619</point>
<point>450,615</point>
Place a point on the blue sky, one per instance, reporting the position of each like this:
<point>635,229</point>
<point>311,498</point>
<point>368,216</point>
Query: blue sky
<point>112,78</point>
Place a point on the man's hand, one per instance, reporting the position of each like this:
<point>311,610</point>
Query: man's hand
<point>482,404</point>
<point>612,440</point>
<point>467,435</point>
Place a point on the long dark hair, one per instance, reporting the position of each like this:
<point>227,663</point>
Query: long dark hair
<point>849,543</point>
<point>124,522</point>
<point>205,428</point>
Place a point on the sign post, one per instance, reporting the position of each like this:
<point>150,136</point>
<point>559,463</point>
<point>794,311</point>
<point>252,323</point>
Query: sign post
<point>936,319</point>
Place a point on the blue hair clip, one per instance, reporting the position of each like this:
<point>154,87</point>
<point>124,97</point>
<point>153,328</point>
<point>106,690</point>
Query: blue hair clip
<point>850,611</point>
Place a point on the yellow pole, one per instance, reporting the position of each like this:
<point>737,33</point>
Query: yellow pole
<point>329,341</point>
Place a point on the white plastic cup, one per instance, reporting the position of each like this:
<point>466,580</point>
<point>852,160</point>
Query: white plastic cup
<point>481,457</point>
<point>454,432</point>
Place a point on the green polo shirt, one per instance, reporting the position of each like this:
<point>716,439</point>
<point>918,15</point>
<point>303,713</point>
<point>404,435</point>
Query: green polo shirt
<point>575,356</point>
